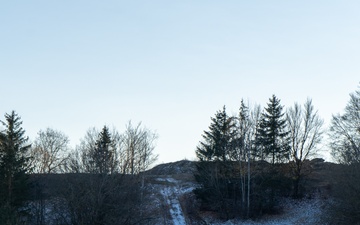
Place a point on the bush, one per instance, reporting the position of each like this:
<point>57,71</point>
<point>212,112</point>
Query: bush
<point>346,192</point>
<point>220,189</point>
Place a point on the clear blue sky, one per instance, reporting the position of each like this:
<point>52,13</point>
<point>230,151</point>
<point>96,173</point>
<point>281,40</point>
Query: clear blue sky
<point>71,65</point>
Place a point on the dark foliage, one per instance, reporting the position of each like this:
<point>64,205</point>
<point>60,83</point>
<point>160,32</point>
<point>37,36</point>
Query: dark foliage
<point>346,192</point>
<point>86,199</point>
<point>102,158</point>
<point>272,133</point>
<point>345,146</point>
<point>270,183</point>
<point>218,143</point>
<point>13,169</point>
<point>102,199</point>
<point>220,189</point>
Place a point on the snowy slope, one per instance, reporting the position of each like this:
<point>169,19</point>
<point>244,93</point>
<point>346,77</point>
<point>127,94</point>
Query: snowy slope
<point>172,195</point>
<point>167,192</point>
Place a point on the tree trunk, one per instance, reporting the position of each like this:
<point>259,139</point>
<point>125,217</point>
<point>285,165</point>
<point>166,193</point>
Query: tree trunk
<point>248,186</point>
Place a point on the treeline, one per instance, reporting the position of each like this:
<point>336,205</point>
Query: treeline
<point>249,161</point>
<point>106,151</point>
<point>260,141</point>
<point>98,182</point>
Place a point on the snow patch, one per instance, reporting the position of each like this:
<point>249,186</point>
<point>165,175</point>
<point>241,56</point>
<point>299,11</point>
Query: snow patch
<point>296,212</point>
<point>167,179</point>
<point>171,195</point>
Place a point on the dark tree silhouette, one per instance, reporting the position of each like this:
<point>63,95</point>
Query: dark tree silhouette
<point>14,166</point>
<point>272,133</point>
<point>345,132</point>
<point>305,128</point>
<point>345,148</point>
<point>218,142</point>
<point>103,154</point>
<point>97,153</point>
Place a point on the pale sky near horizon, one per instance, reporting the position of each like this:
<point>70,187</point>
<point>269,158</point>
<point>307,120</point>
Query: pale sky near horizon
<point>72,65</point>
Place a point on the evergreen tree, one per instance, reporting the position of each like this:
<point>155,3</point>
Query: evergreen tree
<point>14,166</point>
<point>218,142</point>
<point>214,170</point>
<point>272,133</point>
<point>103,154</point>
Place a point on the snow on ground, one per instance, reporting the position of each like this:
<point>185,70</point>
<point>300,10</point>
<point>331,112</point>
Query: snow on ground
<point>171,197</point>
<point>169,187</point>
<point>295,212</point>
<point>167,179</point>
<point>171,191</point>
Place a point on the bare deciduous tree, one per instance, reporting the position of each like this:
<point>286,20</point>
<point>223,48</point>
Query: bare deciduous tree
<point>305,128</point>
<point>255,117</point>
<point>345,132</point>
<point>87,157</point>
<point>137,150</point>
<point>246,129</point>
<point>102,199</point>
<point>132,151</point>
<point>110,192</point>
<point>50,151</point>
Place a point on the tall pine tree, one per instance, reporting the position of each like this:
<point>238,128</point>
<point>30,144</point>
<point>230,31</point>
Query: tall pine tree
<point>103,154</point>
<point>218,142</point>
<point>272,132</point>
<point>214,169</point>
<point>14,168</point>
